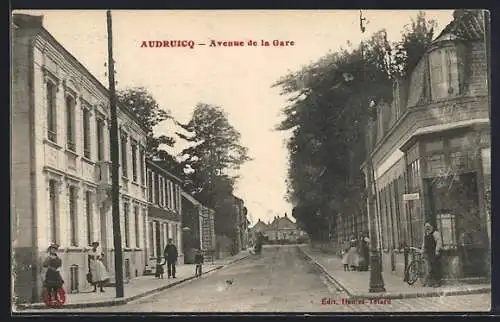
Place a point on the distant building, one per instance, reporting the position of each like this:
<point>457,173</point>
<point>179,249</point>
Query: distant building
<point>280,229</point>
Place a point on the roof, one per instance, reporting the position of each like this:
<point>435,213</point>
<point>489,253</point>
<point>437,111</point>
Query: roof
<point>282,223</point>
<point>31,21</point>
<point>467,24</point>
<point>162,170</point>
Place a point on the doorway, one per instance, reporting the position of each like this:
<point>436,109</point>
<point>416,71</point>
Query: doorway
<point>455,198</point>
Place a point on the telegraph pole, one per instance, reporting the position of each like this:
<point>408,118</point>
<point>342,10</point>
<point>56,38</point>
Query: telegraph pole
<point>115,171</point>
<point>376,279</point>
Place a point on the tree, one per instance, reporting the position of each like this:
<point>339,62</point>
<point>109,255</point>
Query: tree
<point>215,154</point>
<point>150,114</point>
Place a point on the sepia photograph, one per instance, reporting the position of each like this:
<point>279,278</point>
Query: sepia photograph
<point>250,161</point>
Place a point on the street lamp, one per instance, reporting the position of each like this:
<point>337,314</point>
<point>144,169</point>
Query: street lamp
<point>376,279</point>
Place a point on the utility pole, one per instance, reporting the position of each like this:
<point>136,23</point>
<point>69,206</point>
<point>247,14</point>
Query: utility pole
<point>376,279</point>
<point>115,171</point>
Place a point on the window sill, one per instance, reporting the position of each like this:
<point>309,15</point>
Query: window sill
<point>52,144</point>
<point>84,158</point>
<point>69,151</point>
<point>135,183</point>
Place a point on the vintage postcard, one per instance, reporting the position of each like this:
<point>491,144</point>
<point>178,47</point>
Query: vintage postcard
<point>250,161</point>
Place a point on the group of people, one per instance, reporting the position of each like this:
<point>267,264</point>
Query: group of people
<point>356,253</point>
<point>97,274</point>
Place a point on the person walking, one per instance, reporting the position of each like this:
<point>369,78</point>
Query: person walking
<point>53,280</point>
<point>198,260</point>
<point>353,256</point>
<point>364,251</point>
<point>431,246</point>
<point>97,270</point>
<point>171,255</point>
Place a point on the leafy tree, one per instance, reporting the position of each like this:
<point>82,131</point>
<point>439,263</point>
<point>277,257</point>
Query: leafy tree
<point>150,114</point>
<point>214,155</point>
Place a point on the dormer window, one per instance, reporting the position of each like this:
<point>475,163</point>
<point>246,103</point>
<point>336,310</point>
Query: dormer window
<point>444,72</point>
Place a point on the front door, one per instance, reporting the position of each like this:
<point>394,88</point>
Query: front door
<point>457,197</point>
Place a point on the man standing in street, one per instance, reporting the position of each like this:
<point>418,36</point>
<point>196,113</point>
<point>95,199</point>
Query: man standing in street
<point>432,246</point>
<point>171,254</point>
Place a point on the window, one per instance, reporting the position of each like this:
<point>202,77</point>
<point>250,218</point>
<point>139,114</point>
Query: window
<point>157,189</point>
<point>90,224</point>
<point>443,66</point>
<point>100,139</point>
<point>174,196</point>
<point>54,222</point>
<point>51,112</point>
<point>126,225</point>
<point>124,155</point>
<point>86,133</point>
<point>150,186</point>
<point>134,161</point>
<point>152,239</point>
<point>73,219</point>
<point>141,162</point>
<point>161,190</point>
<point>137,228</point>
<point>70,123</point>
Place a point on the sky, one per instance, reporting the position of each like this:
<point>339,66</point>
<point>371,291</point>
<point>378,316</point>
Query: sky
<point>238,79</point>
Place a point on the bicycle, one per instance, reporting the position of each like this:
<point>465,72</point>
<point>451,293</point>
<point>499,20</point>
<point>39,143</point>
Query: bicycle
<point>416,270</point>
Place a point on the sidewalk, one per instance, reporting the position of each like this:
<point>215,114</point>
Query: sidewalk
<point>356,284</point>
<point>138,287</point>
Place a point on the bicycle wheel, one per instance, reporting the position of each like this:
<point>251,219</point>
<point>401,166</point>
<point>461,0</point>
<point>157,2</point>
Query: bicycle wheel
<point>412,273</point>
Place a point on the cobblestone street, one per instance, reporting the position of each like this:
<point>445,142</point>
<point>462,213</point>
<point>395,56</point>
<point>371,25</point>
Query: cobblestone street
<point>279,280</point>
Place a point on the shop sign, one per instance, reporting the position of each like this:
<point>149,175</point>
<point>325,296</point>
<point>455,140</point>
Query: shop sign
<point>411,196</point>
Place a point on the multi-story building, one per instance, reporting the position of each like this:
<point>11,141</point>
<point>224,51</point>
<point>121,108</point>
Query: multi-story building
<point>431,154</point>
<point>61,174</point>
<point>164,212</point>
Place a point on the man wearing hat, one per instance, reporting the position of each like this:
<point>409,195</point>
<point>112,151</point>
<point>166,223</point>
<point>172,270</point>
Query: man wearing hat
<point>53,279</point>
<point>171,255</point>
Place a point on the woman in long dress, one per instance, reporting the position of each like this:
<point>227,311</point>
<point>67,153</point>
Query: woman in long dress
<point>353,256</point>
<point>97,268</point>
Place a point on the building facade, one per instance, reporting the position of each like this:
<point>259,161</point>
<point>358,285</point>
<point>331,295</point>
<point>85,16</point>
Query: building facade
<point>198,223</point>
<point>61,173</point>
<point>431,154</point>
<point>164,212</point>
<point>281,229</point>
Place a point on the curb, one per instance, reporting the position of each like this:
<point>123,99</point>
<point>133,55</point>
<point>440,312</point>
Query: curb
<point>115,302</point>
<point>352,295</point>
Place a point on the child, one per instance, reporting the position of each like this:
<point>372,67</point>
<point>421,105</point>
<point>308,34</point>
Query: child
<point>159,269</point>
<point>345,261</point>
<point>53,280</point>
<point>198,260</point>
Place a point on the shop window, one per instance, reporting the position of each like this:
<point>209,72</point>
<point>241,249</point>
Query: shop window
<point>435,164</point>
<point>447,227</point>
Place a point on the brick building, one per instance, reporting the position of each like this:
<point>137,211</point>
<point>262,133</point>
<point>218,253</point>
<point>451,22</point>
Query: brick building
<point>431,153</point>
<point>61,174</point>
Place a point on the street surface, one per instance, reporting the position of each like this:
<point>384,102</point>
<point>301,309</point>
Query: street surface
<point>278,280</point>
